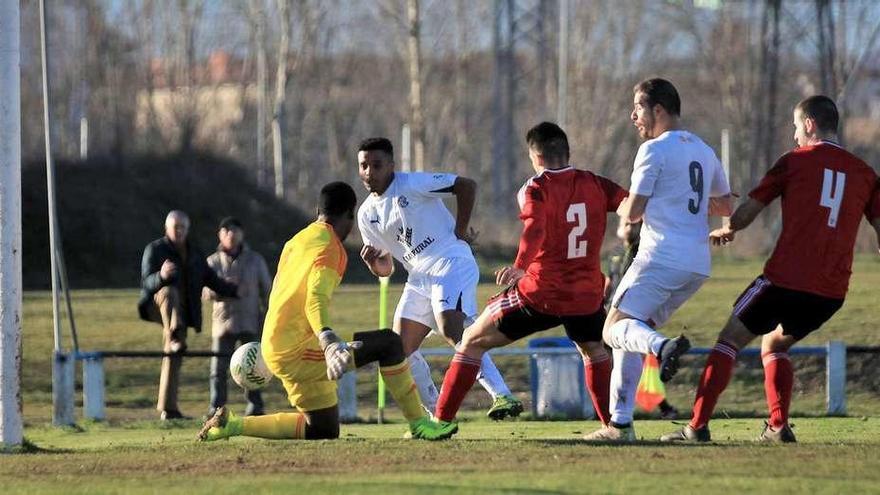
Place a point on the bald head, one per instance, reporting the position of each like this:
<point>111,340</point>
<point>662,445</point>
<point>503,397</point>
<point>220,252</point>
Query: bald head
<point>177,227</point>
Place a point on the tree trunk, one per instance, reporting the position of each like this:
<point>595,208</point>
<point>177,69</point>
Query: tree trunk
<point>504,84</point>
<point>415,84</point>
<point>280,95</point>
<point>258,22</point>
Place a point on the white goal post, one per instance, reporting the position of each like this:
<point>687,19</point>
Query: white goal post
<point>11,433</point>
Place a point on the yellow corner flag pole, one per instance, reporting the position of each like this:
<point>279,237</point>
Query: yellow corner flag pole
<point>383,323</point>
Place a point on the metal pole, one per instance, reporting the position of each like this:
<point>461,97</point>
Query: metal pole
<point>65,289</point>
<point>562,81</point>
<point>405,149</point>
<point>278,158</point>
<point>83,138</point>
<point>62,369</point>
<point>50,180</point>
<point>11,429</point>
<point>383,323</point>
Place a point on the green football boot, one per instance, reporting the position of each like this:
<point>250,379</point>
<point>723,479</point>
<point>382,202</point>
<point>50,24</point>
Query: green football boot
<point>223,424</point>
<point>425,429</point>
<point>505,406</point>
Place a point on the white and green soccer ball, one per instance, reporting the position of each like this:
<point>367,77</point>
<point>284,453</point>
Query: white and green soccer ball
<point>248,369</point>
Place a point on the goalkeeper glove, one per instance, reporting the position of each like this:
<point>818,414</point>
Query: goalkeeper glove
<point>338,355</point>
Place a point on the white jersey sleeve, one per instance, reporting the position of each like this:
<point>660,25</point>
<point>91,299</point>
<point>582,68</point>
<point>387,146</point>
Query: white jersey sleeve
<point>369,233</point>
<point>646,169</point>
<point>431,185</point>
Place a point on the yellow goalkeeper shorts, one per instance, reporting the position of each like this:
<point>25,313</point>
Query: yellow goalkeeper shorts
<point>304,376</point>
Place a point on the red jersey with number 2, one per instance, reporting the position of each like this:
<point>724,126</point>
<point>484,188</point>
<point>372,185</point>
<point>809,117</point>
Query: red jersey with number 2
<point>825,192</point>
<point>564,214</point>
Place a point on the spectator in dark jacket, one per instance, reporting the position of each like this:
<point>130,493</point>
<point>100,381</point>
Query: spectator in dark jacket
<point>173,272</point>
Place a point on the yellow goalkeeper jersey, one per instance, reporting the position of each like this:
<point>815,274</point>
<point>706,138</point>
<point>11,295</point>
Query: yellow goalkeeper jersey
<point>311,267</point>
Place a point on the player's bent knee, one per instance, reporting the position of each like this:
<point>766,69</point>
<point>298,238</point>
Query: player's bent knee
<point>736,333</point>
<point>480,338</point>
<point>591,349</point>
<point>383,346</point>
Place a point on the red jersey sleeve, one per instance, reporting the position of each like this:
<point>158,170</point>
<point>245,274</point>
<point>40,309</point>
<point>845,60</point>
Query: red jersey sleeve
<point>772,184</point>
<point>533,218</point>
<point>872,209</point>
<point>613,192</point>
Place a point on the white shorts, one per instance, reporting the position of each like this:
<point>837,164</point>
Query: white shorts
<point>450,284</point>
<point>652,292</point>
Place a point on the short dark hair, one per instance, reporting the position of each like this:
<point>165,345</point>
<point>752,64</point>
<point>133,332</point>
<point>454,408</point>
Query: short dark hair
<point>822,110</point>
<point>549,140</point>
<point>336,199</point>
<point>377,144</point>
<point>230,222</point>
<point>660,92</point>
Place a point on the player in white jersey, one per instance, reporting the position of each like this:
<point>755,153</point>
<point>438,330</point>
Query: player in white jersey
<point>677,182</point>
<point>404,218</point>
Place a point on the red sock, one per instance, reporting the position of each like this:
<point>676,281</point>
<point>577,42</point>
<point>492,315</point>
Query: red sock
<point>778,382</point>
<point>716,376</point>
<point>597,372</point>
<point>459,379</point>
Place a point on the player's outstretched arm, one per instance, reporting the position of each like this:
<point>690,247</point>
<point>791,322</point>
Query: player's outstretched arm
<point>465,191</point>
<point>721,206</point>
<point>741,218</point>
<point>381,264</point>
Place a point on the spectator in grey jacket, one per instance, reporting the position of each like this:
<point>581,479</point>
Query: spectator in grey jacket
<point>236,320</point>
<point>173,273</point>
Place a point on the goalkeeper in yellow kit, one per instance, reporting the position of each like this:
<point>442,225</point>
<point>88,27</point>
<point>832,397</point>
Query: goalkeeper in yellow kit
<point>303,351</point>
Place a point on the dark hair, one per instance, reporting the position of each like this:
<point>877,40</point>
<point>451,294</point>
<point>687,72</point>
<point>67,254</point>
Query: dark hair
<point>822,110</point>
<point>660,92</point>
<point>549,140</point>
<point>377,144</point>
<point>230,222</point>
<point>336,199</point>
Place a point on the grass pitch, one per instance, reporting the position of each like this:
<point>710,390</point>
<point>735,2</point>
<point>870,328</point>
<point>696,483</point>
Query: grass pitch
<point>134,453</point>
<point>833,456</point>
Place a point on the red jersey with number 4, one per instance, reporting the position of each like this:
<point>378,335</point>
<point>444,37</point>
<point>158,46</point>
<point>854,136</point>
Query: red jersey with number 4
<point>564,215</point>
<point>825,192</point>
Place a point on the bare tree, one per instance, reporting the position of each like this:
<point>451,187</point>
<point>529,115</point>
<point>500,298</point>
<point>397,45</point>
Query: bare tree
<point>414,51</point>
<point>257,21</point>
<point>281,73</point>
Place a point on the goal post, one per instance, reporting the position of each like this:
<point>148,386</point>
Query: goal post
<point>11,431</point>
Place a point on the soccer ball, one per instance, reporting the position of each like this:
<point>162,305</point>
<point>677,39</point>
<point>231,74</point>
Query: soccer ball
<point>248,369</point>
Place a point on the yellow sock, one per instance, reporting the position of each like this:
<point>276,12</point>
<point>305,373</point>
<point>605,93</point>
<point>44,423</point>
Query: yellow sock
<point>400,383</point>
<point>275,426</point>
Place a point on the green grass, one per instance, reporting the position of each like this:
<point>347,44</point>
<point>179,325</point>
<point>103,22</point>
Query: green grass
<point>132,452</point>
<point>833,456</point>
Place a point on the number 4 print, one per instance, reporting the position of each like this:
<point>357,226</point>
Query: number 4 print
<point>832,194</point>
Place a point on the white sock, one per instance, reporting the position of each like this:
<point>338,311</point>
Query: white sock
<point>636,336</point>
<point>625,377</point>
<point>421,374</point>
<point>490,378</point>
